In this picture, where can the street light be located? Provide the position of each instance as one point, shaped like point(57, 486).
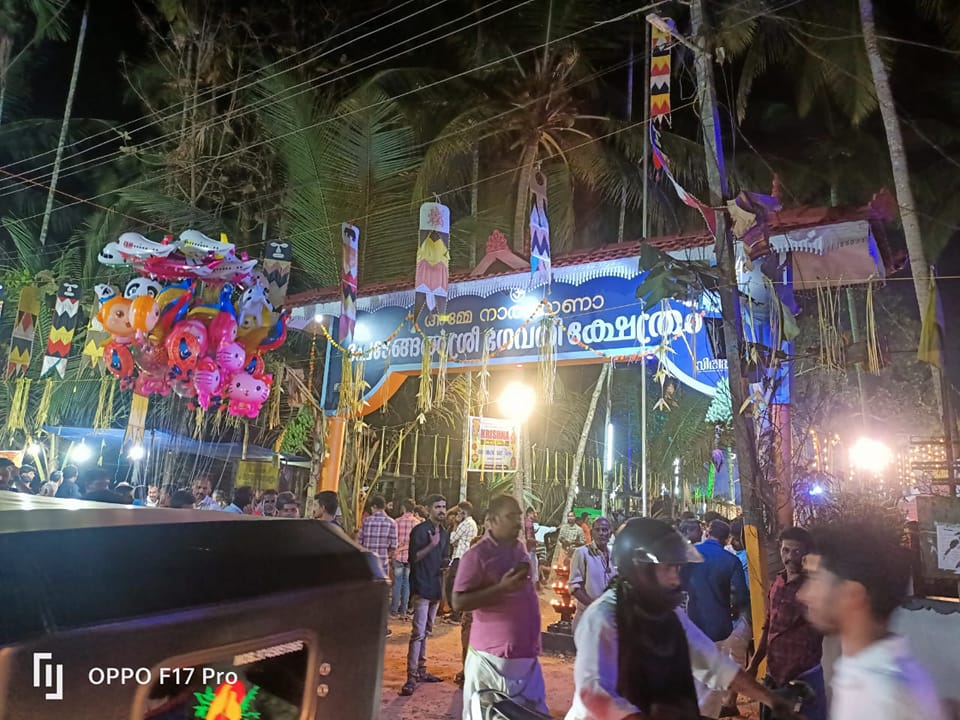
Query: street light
point(34, 449)
point(870, 455)
point(136, 452)
point(81, 453)
point(516, 401)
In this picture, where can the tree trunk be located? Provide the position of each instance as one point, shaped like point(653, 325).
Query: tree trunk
point(919, 266)
point(61, 144)
point(581, 449)
point(521, 218)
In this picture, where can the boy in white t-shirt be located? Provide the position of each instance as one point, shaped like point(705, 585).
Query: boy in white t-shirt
point(856, 578)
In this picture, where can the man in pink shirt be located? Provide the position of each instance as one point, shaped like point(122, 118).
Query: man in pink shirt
point(494, 582)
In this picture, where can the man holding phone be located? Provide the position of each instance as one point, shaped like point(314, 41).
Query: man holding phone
point(428, 553)
point(494, 582)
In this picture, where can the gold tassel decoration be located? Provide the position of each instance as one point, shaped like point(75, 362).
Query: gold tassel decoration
point(831, 344)
point(436, 445)
point(874, 357)
point(246, 440)
point(396, 470)
point(483, 394)
point(43, 409)
point(446, 458)
point(416, 451)
point(440, 392)
point(425, 391)
point(386, 372)
point(346, 386)
point(17, 418)
point(197, 423)
point(547, 357)
point(312, 367)
point(273, 403)
point(101, 416)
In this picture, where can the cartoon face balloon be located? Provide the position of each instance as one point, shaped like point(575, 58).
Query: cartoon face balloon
point(230, 358)
point(119, 361)
point(247, 394)
point(152, 359)
point(186, 344)
point(207, 381)
point(114, 315)
point(144, 313)
point(142, 286)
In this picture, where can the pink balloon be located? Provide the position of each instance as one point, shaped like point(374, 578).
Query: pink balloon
point(207, 381)
point(231, 358)
point(148, 385)
point(247, 393)
point(222, 329)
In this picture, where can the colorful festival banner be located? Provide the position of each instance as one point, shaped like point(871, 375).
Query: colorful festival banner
point(63, 325)
point(277, 258)
point(539, 232)
point(493, 444)
point(433, 259)
point(661, 162)
point(348, 281)
point(24, 330)
point(659, 76)
point(596, 304)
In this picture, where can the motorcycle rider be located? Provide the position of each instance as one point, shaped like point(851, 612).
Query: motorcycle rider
point(636, 654)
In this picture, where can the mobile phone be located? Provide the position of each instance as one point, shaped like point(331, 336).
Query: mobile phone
point(522, 567)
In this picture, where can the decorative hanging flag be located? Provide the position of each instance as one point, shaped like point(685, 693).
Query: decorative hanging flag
point(659, 76)
point(24, 329)
point(539, 231)
point(137, 422)
point(348, 282)
point(97, 336)
point(433, 259)
point(63, 324)
point(277, 256)
point(660, 162)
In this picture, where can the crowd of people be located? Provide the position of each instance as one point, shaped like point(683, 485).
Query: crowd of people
point(662, 627)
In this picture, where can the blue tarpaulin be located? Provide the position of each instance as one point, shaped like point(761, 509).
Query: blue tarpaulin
point(160, 441)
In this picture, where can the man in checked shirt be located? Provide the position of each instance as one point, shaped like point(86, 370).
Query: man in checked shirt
point(378, 533)
point(791, 645)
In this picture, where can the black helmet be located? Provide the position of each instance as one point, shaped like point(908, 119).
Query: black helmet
point(651, 541)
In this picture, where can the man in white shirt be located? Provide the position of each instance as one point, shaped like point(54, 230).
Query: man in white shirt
point(636, 654)
point(856, 578)
point(591, 569)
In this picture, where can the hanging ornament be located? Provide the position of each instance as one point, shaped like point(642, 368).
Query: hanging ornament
point(659, 75)
point(348, 282)
point(874, 355)
point(277, 258)
point(547, 357)
point(433, 259)
point(425, 391)
point(443, 347)
point(24, 329)
point(63, 325)
point(539, 231)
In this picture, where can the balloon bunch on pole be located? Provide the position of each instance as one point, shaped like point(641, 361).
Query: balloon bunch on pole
point(164, 337)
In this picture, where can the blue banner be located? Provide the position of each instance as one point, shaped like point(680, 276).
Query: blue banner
point(595, 303)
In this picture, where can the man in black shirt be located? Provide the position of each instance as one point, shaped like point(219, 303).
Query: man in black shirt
point(429, 552)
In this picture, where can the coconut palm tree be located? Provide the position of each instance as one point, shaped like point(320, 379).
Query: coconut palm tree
point(16, 17)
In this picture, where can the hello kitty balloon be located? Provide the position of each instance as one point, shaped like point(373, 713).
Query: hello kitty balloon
point(247, 393)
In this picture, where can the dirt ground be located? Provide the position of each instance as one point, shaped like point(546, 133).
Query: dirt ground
point(443, 701)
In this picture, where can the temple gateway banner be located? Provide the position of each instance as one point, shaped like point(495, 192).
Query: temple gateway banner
point(493, 445)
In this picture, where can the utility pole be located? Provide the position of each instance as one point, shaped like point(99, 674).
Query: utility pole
point(754, 532)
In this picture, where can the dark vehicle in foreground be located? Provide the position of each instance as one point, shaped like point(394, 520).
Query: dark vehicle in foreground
point(113, 612)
